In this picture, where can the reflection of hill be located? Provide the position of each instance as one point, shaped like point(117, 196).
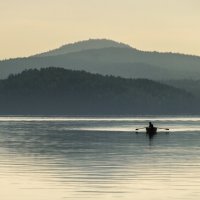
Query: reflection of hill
point(66, 149)
point(98, 152)
point(60, 91)
point(44, 158)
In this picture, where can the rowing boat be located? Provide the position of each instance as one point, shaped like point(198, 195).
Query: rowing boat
point(151, 130)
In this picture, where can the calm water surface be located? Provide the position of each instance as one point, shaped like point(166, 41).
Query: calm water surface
point(54, 158)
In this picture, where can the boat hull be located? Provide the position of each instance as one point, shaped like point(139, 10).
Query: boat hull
point(151, 130)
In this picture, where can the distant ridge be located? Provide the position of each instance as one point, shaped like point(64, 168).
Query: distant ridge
point(82, 46)
point(108, 57)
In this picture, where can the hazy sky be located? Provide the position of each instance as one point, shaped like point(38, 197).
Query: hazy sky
point(32, 26)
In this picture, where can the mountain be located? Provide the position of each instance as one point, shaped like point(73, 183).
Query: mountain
point(84, 45)
point(59, 91)
point(192, 86)
point(110, 58)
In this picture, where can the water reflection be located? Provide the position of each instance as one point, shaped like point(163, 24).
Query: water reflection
point(151, 136)
point(52, 160)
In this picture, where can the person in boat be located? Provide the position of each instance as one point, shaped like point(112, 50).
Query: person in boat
point(151, 126)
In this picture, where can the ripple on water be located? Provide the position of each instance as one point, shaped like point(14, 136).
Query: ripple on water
point(58, 158)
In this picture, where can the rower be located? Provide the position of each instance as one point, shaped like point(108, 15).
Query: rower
point(151, 125)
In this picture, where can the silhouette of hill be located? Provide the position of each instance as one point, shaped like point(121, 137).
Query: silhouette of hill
point(84, 45)
point(192, 86)
point(59, 91)
point(96, 56)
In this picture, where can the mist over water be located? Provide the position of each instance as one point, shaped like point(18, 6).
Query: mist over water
point(58, 158)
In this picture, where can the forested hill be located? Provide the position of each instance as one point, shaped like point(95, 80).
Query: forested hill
point(59, 91)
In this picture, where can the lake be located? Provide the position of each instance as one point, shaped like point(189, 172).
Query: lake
point(56, 158)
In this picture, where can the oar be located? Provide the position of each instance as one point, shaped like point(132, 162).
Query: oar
point(139, 128)
point(164, 129)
